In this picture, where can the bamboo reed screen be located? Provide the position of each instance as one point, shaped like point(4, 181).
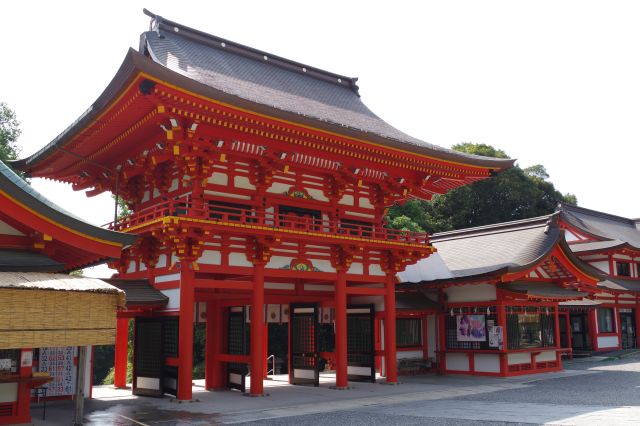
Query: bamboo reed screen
point(33, 318)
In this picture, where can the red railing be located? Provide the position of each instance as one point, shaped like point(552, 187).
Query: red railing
point(278, 222)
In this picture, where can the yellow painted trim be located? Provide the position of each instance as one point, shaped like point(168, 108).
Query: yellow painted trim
point(59, 225)
point(166, 219)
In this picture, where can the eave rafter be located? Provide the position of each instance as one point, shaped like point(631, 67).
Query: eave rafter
point(165, 123)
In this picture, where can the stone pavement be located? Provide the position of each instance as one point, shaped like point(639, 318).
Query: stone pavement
point(431, 399)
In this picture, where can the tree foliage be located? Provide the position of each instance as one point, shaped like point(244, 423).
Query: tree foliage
point(513, 194)
point(9, 133)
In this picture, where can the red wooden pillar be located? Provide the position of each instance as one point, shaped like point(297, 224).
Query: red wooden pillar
point(442, 342)
point(617, 320)
point(257, 329)
point(593, 328)
point(185, 334)
point(265, 348)
point(23, 401)
point(341, 328)
point(390, 329)
point(557, 324)
point(504, 359)
point(122, 347)
point(213, 366)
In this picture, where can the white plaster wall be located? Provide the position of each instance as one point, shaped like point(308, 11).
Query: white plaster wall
point(432, 335)
point(323, 265)
point(408, 354)
point(346, 200)
point(238, 259)
point(317, 194)
point(358, 214)
point(457, 361)
point(365, 203)
point(167, 278)
point(8, 392)
point(471, 293)
point(131, 267)
point(210, 257)
point(242, 182)
point(375, 269)
point(601, 265)
point(519, 358)
point(546, 356)
point(6, 229)
point(487, 363)
point(174, 297)
point(143, 266)
point(607, 342)
point(279, 262)
point(228, 195)
point(162, 261)
point(219, 178)
point(174, 185)
point(145, 197)
point(356, 268)
point(278, 188)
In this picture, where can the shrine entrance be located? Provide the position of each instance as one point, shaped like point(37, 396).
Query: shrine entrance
point(147, 357)
point(304, 345)
point(237, 344)
point(360, 343)
point(627, 329)
point(580, 332)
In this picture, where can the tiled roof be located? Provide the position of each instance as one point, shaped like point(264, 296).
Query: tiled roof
point(603, 225)
point(283, 84)
point(139, 292)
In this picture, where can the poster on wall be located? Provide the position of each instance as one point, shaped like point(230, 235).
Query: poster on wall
point(495, 336)
point(471, 328)
point(58, 362)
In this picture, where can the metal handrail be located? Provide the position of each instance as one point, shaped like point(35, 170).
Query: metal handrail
point(271, 372)
point(185, 207)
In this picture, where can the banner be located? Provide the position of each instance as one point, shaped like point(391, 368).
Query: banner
point(471, 328)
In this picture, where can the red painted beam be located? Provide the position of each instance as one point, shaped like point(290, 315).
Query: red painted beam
point(200, 283)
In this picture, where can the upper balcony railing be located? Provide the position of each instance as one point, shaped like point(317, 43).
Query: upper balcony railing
point(252, 219)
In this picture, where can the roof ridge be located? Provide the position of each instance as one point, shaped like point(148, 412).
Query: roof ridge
point(495, 228)
point(159, 23)
point(596, 213)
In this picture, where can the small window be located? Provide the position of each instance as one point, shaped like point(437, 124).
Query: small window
point(605, 320)
point(623, 269)
point(408, 332)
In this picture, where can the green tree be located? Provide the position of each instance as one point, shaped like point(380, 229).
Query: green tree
point(9, 133)
point(513, 194)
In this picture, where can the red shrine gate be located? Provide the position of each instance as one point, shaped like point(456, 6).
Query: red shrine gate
point(254, 181)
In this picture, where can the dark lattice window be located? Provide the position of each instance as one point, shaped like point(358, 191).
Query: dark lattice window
point(408, 332)
point(623, 269)
point(10, 360)
point(451, 328)
point(530, 330)
point(605, 320)
point(171, 337)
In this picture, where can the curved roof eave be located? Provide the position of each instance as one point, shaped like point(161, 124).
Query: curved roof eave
point(136, 63)
point(19, 190)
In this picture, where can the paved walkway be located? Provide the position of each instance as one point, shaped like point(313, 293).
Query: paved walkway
point(431, 399)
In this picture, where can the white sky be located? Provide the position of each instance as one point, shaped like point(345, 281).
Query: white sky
point(550, 82)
